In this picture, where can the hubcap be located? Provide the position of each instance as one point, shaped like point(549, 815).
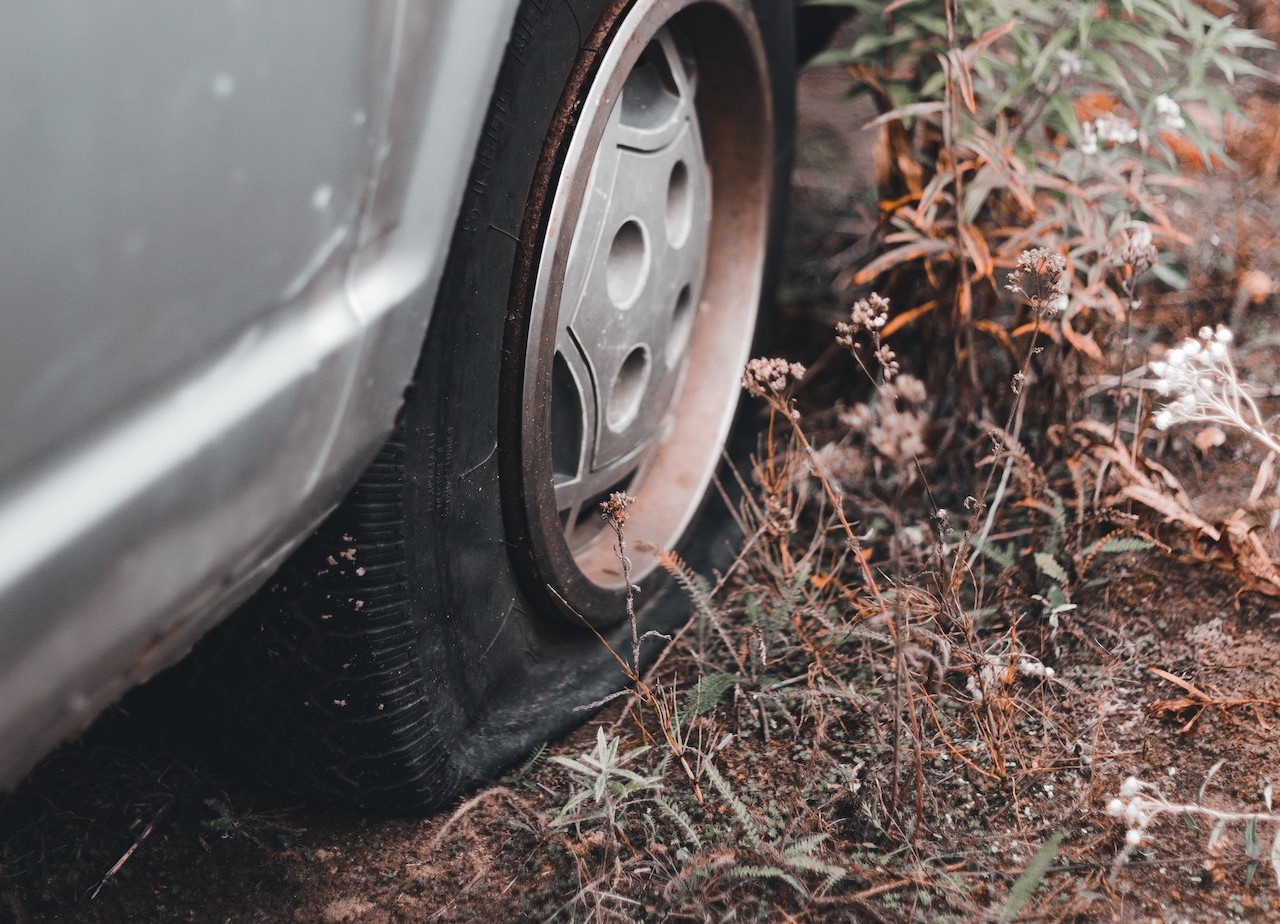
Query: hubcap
point(633, 279)
point(646, 280)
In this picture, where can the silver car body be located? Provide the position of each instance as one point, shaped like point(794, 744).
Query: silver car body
point(223, 226)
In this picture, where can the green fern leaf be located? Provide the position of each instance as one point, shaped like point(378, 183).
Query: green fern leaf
point(1052, 570)
point(706, 693)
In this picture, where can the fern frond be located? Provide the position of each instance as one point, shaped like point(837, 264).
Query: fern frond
point(739, 808)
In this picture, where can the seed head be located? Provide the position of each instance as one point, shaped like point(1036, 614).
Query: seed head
point(1040, 277)
point(615, 508)
point(868, 314)
point(888, 360)
point(910, 389)
point(767, 377)
point(1138, 250)
point(899, 435)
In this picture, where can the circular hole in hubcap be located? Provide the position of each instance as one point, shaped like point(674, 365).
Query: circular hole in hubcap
point(628, 389)
point(681, 325)
point(679, 205)
point(628, 264)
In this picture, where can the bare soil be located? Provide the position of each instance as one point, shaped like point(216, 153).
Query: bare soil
point(139, 821)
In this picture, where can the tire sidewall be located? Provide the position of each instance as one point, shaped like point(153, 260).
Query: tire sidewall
point(497, 656)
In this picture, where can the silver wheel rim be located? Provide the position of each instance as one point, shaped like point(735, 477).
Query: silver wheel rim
point(644, 304)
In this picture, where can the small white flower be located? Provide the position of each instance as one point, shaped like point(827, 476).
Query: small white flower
point(1115, 808)
point(1177, 357)
point(1168, 115)
point(1115, 130)
point(1191, 347)
point(1218, 350)
point(1133, 837)
point(1164, 420)
point(1069, 62)
point(1223, 334)
point(1088, 140)
point(1206, 333)
point(1130, 787)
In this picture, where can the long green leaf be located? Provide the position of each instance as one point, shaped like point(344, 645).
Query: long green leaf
point(1031, 877)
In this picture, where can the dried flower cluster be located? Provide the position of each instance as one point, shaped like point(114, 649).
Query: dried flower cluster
point(1138, 250)
point(868, 316)
point(895, 423)
point(615, 508)
point(1041, 278)
point(770, 377)
point(840, 463)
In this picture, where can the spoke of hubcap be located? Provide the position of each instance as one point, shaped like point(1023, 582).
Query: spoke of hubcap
point(632, 281)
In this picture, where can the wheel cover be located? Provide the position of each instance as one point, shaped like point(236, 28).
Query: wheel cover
point(647, 283)
point(632, 279)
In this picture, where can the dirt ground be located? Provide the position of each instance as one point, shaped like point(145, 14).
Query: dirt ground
point(1172, 672)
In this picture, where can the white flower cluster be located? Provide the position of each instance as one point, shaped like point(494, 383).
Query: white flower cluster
point(1139, 804)
point(994, 673)
point(1069, 62)
point(1201, 380)
point(1168, 115)
point(867, 314)
point(1111, 129)
point(870, 313)
point(1107, 129)
point(1088, 140)
point(1134, 809)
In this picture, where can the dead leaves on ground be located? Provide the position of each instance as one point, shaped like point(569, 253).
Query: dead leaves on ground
point(1120, 477)
point(1196, 701)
